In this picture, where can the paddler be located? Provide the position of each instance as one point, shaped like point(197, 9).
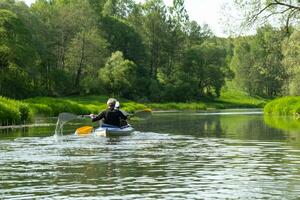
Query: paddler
point(110, 116)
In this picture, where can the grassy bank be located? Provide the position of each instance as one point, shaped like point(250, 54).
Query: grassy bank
point(228, 99)
point(17, 112)
point(286, 106)
point(79, 105)
point(14, 112)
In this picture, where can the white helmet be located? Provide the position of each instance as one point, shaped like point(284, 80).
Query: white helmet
point(117, 105)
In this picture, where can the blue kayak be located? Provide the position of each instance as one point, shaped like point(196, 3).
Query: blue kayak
point(109, 130)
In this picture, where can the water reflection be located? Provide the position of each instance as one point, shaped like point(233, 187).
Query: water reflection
point(171, 156)
point(237, 125)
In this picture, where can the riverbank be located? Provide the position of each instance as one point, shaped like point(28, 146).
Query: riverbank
point(14, 112)
point(285, 106)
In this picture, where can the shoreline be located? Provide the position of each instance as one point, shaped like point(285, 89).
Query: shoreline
point(20, 112)
point(208, 112)
point(25, 126)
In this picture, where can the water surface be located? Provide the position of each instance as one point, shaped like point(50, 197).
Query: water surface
point(216, 155)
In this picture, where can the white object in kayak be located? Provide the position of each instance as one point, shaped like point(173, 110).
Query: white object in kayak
point(108, 130)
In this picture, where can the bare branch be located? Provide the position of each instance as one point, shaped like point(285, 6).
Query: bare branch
point(279, 12)
point(286, 5)
point(255, 16)
point(287, 23)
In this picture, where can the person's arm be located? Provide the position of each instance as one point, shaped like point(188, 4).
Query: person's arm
point(122, 115)
point(98, 117)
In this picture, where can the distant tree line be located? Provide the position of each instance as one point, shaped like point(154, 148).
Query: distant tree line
point(143, 51)
point(268, 63)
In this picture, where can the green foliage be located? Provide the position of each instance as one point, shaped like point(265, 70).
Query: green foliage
point(291, 61)
point(257, 62)
point(119, 76)
point(123, 37)
point(62, 48)
point(202, 73)
point(78, 105)
point(85, 53)
point(178, 106)
point(14, 112)
point(17, 112)
point(18, 57)
point(286, 106)
point(240, 99)
point(58, 105)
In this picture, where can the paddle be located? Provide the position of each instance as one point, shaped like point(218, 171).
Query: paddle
point(85, 130)
point(141, 114)
point(65, 117)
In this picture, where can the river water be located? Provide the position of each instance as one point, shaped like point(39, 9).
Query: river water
point(230, 154)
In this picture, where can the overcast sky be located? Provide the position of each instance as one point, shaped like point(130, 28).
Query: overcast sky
point(211, 12)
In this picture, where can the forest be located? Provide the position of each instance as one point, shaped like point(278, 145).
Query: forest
point(140, 51)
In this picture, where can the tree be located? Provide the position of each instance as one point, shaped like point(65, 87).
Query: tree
point(291, 61)
point(257, 63)
point(122, 37)
point(19, 57)
point(241, 64)
point(74, 46)
point(118, 8)
point(154, 34)
point(85, 55)
point(119, 76)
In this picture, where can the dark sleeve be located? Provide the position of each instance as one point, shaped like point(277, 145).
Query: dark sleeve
point(99, 117)
point(122, 115)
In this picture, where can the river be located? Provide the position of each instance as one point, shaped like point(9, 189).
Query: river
point(229, 154)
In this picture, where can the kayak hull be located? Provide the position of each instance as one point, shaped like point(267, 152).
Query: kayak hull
point(113, 131)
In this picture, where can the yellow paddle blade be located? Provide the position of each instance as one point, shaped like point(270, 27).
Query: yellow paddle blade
point(147, 110)
point(84, 130)
point(143, 114)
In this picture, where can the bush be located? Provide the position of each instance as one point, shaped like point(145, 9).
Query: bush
point(283, 106)
point(53, 106)
point(9, 114)
point(14, 112)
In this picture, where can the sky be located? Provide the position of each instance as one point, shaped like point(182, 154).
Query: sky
point(211, 12)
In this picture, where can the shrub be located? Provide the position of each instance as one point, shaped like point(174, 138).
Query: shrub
point(283, 106)
point(14, 112)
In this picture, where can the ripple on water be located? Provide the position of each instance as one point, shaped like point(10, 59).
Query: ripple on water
point(147, 165)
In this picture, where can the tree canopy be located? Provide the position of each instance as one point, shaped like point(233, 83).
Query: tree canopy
point(146, 51)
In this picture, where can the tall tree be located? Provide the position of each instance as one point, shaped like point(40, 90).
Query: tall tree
point(291, 61)
point(86, 53)
point(258, 63)
point(19, 57)
point(154, 34)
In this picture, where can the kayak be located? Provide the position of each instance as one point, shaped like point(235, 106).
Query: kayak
point(108, 130)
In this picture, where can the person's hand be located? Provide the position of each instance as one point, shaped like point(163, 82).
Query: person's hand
point(92, 116)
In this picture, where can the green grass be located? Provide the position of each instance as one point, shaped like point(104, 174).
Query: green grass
point(241, 99)
point(178, 106)
point(286, 106)
point(17, 112)
point(14, 112)
point(228, 99)
point(78, 105)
